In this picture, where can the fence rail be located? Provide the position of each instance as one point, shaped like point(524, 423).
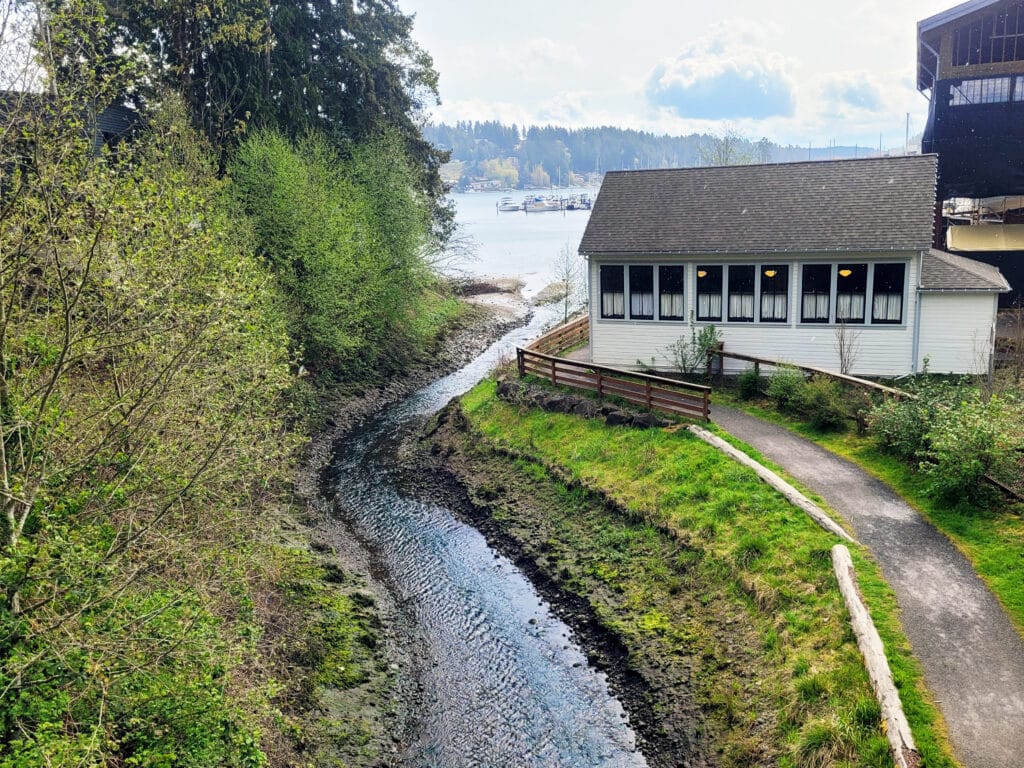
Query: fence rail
point(759, 361)
point(654, 392)
point(564, 337)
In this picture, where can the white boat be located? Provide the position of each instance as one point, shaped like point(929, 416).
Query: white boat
point(580, 202)
point(539, 204)
point(508, 204)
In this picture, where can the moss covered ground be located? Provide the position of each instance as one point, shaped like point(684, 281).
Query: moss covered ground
point(705, 574)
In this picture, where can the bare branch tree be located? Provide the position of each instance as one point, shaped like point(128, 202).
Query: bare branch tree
point(847, 346)
point(569, 269)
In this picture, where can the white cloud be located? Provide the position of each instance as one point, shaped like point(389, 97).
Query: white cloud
point(543, 59)
point(730, 73)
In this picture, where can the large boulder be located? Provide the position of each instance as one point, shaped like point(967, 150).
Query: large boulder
point(616, 418)
point(586, 408)
point(509, 389)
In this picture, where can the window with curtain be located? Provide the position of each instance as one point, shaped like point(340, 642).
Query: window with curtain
point(671, 303)
point(851, 292)
point(709, 293)
point(887, 294)
point(641, 293)
point(613, 291)
point(774, 293)
point(741, 293)
point(815, 293)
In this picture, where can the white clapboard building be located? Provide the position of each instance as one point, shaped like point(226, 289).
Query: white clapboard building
point(781, 259)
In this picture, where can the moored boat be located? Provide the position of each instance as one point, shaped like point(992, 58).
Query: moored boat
point(540, 203)
point(508, 204)
point(580, 202)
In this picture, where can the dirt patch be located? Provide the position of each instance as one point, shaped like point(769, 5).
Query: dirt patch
point(519, 517)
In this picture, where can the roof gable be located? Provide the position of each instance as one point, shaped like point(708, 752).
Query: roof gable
point(943, 271)
point(875, 204)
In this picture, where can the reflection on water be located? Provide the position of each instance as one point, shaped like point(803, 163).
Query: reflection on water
point(504, 685)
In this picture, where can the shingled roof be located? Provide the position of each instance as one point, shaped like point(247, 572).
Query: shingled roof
point(872, 204)
point(942, 271)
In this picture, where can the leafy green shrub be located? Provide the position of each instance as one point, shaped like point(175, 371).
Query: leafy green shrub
point(954, 433)
point(967, 441)
point(344, 235)
point(145, 365)
point(823, 402)
point(902, 426)
point(786, 387)
point(690, 355)
point(749, 383)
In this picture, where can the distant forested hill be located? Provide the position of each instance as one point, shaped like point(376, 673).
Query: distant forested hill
point(514, 156)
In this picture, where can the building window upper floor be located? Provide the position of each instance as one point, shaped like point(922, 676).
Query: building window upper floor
point(987, 90)
point(991, 38)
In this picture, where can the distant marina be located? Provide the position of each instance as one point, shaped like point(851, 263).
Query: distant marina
point(546, 203)
point(522, 246)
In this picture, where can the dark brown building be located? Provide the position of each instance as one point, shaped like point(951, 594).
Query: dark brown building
point(970, 63)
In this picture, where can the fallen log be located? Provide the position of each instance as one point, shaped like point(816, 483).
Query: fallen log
point(897, 729)
point(794, 496)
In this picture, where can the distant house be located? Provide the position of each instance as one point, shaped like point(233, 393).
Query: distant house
point(779, 258)
point(106, 126)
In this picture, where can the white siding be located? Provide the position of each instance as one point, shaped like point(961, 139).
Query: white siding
point(884, 350)
point(956, 331)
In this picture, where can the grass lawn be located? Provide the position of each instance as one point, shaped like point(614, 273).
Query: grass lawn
point(749, 599)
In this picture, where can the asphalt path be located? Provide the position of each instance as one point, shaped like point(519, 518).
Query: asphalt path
point(972, 657)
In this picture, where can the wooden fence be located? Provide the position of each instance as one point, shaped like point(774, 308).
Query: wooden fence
point(562, 338)
point(721, 354)
point(654, 392)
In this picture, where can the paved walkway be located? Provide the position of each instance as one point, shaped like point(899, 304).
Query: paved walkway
point(973, 659)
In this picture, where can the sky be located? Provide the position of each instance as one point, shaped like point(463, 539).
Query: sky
point(794, 72)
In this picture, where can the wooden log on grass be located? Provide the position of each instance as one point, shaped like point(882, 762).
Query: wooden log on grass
point(897, 729)
point(792, 495)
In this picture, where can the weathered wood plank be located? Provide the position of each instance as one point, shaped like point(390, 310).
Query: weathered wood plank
point(794, 496)
point(897, 729)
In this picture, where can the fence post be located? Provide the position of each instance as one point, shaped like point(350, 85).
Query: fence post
point(553, 374)
point(707, 408)
point(600, 381)
point(520, 362)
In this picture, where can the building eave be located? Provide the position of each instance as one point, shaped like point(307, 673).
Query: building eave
point(952, 14)
point(760, 252)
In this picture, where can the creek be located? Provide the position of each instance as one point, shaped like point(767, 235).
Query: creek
point(503, 682)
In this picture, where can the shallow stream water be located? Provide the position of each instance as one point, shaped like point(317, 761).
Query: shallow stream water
point(504, 683)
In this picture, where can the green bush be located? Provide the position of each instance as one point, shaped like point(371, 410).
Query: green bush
point(967, 441)
point(786, 387)
point(145, 370)
point(345, 236)
point(749, 383)
point(690, 355)
point(902, 425)
point(824, 403)
point(953, 433)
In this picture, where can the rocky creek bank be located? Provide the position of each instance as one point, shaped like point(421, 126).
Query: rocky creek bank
point(519, 515)
point(356, 707)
